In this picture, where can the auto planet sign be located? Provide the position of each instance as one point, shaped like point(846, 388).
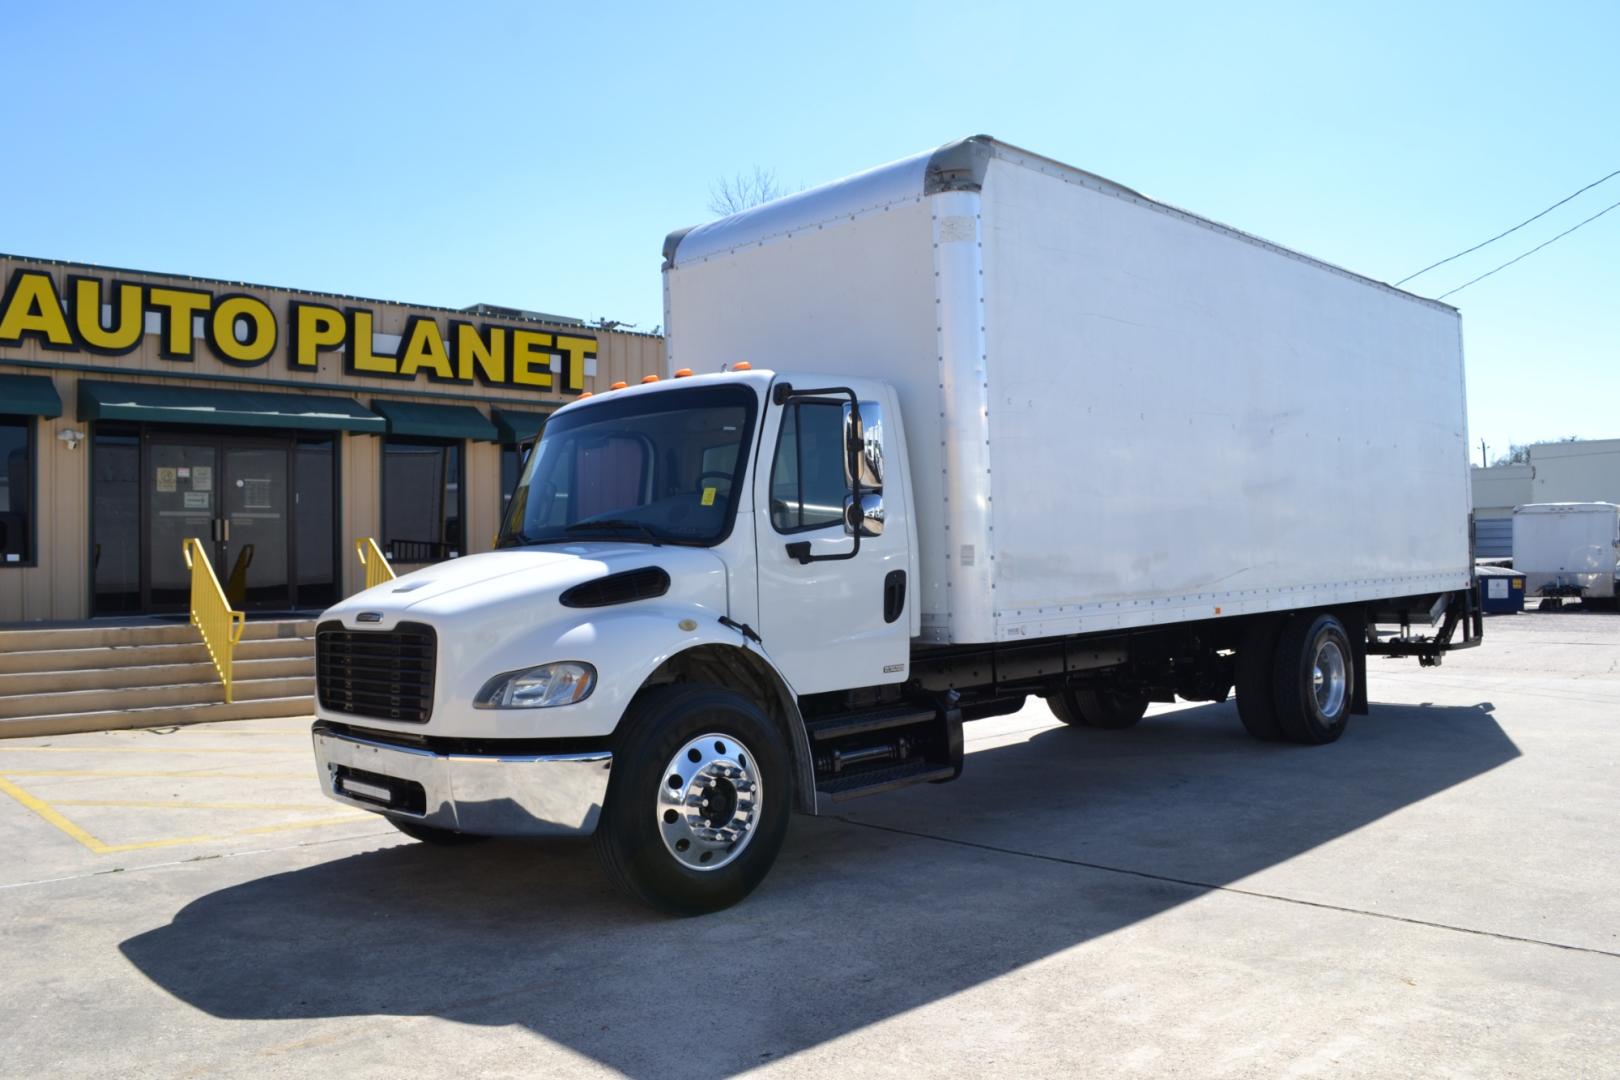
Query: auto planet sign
point(111, 318)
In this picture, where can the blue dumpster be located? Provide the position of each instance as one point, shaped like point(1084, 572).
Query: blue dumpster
point(1501, 590)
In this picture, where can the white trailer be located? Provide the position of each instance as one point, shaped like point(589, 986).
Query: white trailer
point(967, 428)
point(1568, 549)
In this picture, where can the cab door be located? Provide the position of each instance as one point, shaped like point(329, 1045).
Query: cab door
point(834, 572)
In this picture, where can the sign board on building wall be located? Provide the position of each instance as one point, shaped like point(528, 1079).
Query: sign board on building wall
point(110, 317)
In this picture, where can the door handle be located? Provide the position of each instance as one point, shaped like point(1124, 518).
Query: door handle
point(226, 523)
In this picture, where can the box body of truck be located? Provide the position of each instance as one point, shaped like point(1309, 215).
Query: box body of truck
point(1119, 414)
point(1567, 549)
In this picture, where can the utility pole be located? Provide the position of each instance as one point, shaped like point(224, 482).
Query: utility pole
point(1484, 462)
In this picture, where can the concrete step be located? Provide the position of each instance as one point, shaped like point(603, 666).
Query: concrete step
point(69, 723)
point(125, 656)
point(110, 678)
point(149, 697)
point(120, 635)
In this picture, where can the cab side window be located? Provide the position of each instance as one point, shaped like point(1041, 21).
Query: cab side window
point(807, 478)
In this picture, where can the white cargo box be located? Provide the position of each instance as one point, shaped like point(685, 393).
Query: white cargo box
point(1117, 413)
point(1567, 544)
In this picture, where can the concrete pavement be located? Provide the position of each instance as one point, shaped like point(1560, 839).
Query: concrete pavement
point(1434, 895)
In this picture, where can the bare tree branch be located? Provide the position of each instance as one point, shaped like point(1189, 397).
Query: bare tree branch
point(734, 194)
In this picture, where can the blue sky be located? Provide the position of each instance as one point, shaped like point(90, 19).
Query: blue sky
point(535, 155)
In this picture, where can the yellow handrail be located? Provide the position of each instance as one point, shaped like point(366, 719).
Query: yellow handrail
point(372, 558)
point(211, 613)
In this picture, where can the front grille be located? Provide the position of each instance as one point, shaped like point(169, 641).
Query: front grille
point(387, 674)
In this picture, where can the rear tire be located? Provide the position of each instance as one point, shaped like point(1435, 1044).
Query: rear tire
point(656, 838)
point(432, 834)
point(1255, 656)
point(1111, 710)
point(1313, 679)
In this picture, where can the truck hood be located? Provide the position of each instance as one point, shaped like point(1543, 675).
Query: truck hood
point(525, 583)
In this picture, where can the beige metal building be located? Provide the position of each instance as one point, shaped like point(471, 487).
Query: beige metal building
point(277, 426)
point(1587, 470)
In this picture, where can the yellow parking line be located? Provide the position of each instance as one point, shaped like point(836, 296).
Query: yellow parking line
point(153, 750)
point(43, 809)
point(177, 804)
point(99, 847)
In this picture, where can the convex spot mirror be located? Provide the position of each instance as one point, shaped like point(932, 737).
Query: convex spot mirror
point(868, 517)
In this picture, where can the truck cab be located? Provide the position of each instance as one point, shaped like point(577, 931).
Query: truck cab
point(682, 564)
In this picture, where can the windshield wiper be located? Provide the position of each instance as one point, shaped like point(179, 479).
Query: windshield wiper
point(615, 523)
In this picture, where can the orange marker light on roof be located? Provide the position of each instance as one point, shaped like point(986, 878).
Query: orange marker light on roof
point(581, 397)
point(742, 365)
point(684, 373)
point(645, 379)
point(618, 386)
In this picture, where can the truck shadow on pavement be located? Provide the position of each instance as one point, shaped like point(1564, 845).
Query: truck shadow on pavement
point(1045, 843)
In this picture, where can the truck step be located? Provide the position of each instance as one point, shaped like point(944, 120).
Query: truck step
point(877, 781)
point(847, 724)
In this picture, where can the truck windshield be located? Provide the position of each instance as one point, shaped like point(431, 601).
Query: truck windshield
point(664, 467)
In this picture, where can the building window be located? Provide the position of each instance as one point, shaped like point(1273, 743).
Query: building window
point(807, 480)
point(421, 500)
point(16, 491)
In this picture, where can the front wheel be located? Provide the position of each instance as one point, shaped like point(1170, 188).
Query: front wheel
point(697, 804)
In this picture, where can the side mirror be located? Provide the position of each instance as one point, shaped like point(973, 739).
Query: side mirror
point(864, 436)
point(868, 517)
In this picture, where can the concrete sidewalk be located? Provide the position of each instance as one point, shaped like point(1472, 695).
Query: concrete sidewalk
point(1434, 895)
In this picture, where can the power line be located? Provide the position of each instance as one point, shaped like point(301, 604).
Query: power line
point(1515, 228)
point(1532, 251)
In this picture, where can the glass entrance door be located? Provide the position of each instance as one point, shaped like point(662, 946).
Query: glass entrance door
point(255, 512)
point(233, 495)
point(182, 501)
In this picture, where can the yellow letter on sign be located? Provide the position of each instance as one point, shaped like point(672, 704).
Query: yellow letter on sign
point(575, 350)
point(229, 311)
point(531, 358)
point(424, 348)
point(179, 308)
point(315, 327)
point(128, 324)
point(32, 307)
point(362, 359)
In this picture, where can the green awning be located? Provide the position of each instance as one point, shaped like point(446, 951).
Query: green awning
point(157, 403)
point(435, 421)
point(515, 427)
point(29, 395)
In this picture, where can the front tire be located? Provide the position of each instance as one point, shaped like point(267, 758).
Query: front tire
point(698, 801)
point(1313, 679)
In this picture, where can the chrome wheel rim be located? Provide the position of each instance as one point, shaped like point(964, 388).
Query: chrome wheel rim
point(709, 802)
point(1328, 680)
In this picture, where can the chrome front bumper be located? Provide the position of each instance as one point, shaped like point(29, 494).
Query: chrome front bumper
point(490, 795)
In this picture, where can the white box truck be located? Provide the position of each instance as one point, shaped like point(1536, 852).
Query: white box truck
point(966, 429)
point(1567, 550)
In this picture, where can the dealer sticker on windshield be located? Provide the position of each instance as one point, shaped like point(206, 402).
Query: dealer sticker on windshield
point(708, 496)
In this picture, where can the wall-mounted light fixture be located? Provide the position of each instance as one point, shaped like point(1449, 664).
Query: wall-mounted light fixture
point(71, 437)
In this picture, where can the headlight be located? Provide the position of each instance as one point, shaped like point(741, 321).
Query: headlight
point(539, 687)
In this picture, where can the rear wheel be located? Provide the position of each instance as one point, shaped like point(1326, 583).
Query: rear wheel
point(432, 834)
point(1253, 680)
point(697, 805)
point(1313, 679)
point(1110, 709)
